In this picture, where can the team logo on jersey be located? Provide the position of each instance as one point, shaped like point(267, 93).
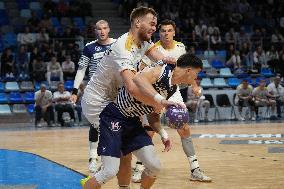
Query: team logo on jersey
point(98, 48)
point(115, 126)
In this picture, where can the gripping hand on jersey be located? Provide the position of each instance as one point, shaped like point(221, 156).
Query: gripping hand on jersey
point(169, 60)
point(73, 98)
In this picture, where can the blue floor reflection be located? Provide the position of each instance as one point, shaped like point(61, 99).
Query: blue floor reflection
point(21, 168)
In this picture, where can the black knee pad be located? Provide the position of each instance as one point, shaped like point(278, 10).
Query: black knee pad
point(93, 134)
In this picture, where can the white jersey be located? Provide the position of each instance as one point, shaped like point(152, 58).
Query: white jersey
point(175, 52)
point(105, 82)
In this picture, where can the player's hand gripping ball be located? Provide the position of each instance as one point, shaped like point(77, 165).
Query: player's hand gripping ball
point(177, 117)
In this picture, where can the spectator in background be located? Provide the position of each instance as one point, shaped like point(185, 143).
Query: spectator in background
point(277, 38)
point(7, 63)
point(68, 38)
point(39, 69)
point(62, 8)
point(276, 90)
point(242, 37)
point(48, 54)
point(42, 37)
point(33, 55)
point(259, 59)
point(256, 38)
point(46, 23)
point(272, 57)
point(22, 63)
point(216, 40)
point(78, 107)
point(244, 98)
point(75, 54)
point(233, 58)
point(263, 98)
point(33, 22)
point(43, 106)
point(68, 68)
point(63, 103)
point(54, 70)
point(194, 103)
point(26, 38)
point(280, 65)
point(245, 56)
point(231, 37)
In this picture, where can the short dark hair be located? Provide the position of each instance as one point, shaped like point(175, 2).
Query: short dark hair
point(141, 11)
point(167, 22)
point(189, 60)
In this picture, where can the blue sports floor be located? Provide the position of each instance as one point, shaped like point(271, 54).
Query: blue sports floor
point(29, 171)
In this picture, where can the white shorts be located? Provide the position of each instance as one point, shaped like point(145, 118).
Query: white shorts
point(92, 106)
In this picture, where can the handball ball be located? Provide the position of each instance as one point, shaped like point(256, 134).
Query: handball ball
point(177, 116)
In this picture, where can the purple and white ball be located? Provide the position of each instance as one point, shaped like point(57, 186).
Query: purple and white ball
point(177, 117)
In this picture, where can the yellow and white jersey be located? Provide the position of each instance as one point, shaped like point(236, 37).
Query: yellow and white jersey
point(175, 52)
point(105, 82)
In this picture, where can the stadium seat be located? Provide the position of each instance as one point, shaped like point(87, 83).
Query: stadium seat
point(55, 22)
point(23, 4)
point(29, 97)
point(78, 21)
point(12, 86)
point(26, 86)
point(53, 85)
point(35, 5)
point(206, 64)
point(222, 54)
point(212, 72)
point(5, 109)
point(226, 72)
point(217, 64)
point(219, 82)
point(2, 5)
point(69, 85)
point(4, 19)
point(266, 72)
point(2, 87)
point(31, 108)
point(66, 21)
point(3, 98)
point(208, 54)
point(9, 39)
point(19, 108)
point(206, 83)
point(25, 13)
point(234, 82)
point(201, 74)
point(15, 98)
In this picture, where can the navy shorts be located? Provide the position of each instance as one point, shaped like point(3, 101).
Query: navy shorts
point(120, 135)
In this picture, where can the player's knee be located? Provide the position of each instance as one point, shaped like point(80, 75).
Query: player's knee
point(153, 167)
point(106, 174)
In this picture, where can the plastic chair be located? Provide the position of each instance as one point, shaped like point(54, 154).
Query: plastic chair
point(78, 21)
point(219, 82)
point(26, 86)
point(2, 87)
point(201, 74)
point(25, 13)
point(35, 6)
point(206, 83)
point(31, 108)
point(19, 108)
point(9, 39)
point(69, 85)
point(55, 22)
point(29, 97)
point(222, 54)
point(66, 21)
point(266, 72)
point(234, 82)
point(15, 98)
point(226, 72)
point(12, 86)
point(3, 98)
point(5, 109)
point(23, 4)
point(217, 64)
point(206, 64)
point(37, 85)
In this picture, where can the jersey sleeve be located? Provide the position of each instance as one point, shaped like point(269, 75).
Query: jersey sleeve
point(85, 58)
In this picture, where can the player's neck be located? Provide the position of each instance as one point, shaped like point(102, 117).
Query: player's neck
point(168, 44)
point(177, 77)
point(134, 35)
point(104, 42)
